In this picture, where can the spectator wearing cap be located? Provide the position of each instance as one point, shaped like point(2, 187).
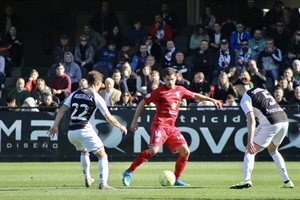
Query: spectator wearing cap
point(237, 36)
point(224, 60)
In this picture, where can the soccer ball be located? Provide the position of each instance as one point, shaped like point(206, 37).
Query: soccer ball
point(166, 178)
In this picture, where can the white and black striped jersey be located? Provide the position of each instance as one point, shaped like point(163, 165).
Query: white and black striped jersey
point(264, 106)
point(83, 104)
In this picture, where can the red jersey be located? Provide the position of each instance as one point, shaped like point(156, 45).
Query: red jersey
point(167, 103)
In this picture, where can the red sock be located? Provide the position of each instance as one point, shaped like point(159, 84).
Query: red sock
point(180, 166)
point(140, 159)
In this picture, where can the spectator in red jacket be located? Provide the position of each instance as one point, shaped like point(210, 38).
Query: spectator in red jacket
point(32, 81)
point(161, 30)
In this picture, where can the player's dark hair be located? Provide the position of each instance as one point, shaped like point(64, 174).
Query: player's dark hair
point(94, 77)
point(168, 72)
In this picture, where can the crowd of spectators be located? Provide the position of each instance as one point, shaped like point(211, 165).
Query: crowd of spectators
point(264, 48)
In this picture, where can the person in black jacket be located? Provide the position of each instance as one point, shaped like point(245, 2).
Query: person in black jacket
point(203, 60)
point(104, 20)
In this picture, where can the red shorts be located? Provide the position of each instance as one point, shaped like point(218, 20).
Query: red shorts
point(169, 136)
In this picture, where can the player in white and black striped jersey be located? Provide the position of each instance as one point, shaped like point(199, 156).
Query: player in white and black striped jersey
point(270, 132)
point(83, 104)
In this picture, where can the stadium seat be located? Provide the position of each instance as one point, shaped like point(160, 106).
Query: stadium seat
point(181, 40)
point(183, 49)
point(186, 31)
point(146, 29)
point(126, 31)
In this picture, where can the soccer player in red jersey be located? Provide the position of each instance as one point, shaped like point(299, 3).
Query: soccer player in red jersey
point(163, 131)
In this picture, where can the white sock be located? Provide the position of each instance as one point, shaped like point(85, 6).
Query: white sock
point(85, 164)
point(103, 170)
point(279, 161)
point(248, 165)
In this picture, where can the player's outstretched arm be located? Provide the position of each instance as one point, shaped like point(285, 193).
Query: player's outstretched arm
point(201, 97)
point(139, 109)
point(113, 121)
point(53, 130)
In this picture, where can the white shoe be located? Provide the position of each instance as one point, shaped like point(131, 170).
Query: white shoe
point(89, 182)
point(106, 187)
point(289, 184)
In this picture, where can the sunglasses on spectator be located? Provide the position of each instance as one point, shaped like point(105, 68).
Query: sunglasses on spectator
point(149, 38)
point(298, 34)
point(83, 40)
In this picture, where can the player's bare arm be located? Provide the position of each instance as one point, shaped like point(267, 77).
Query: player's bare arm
point(201, 97)
point(139, 109)
point(113, 121)
point(53, 130)
point(251, 128)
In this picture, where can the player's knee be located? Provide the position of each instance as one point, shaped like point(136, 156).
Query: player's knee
point(84, 152)
point(153, 150)
point(185, 152)
point(100, 153)
point(272, 148)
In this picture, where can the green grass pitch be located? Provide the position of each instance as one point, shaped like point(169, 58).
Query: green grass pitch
point(209, 180)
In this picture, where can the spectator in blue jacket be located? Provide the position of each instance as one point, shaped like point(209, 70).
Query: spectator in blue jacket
point(107, 58)
point(237, 36)
point(73, 70)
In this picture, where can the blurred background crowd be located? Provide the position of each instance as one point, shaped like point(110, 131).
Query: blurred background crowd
point(208, 53)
